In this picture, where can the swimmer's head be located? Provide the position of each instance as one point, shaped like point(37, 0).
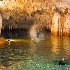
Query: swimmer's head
point(8, 40)
point(62, 59)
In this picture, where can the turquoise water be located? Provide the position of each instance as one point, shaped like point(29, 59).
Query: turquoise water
point(24, 54)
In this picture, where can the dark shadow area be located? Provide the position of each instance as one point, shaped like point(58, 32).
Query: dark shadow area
point(14, 33)
point(47, 30)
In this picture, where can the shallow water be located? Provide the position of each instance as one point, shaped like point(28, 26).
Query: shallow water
point(24, 54)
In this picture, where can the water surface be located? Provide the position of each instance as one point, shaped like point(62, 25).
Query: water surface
point(44, 54)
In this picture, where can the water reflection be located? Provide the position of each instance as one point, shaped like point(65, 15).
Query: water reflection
point(33, 47)
point(66, 44)
point(54, 42)
point(60, 45)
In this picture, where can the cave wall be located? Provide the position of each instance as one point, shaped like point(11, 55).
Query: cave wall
point(42, 13)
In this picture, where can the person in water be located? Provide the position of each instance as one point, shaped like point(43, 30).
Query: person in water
point(62, 62)
point(38, 34)
point(9, 42)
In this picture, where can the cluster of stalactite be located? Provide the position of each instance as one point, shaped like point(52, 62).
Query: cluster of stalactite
point(57, 22)
point(60, 24)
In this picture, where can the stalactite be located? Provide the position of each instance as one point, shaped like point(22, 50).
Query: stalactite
point(66, 28)
point(0, 23)
point(60, 24)
point(54, 25)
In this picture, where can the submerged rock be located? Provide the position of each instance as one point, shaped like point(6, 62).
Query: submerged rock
point(2, 41)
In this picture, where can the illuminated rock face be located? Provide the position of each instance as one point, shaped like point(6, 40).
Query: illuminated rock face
point(66, 28)
point(0, 23)
point(3, 2)
point(2, 40)
point(60, 24)
point(55, 24)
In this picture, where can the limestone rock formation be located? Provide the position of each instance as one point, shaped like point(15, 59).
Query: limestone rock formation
point(42, 13)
